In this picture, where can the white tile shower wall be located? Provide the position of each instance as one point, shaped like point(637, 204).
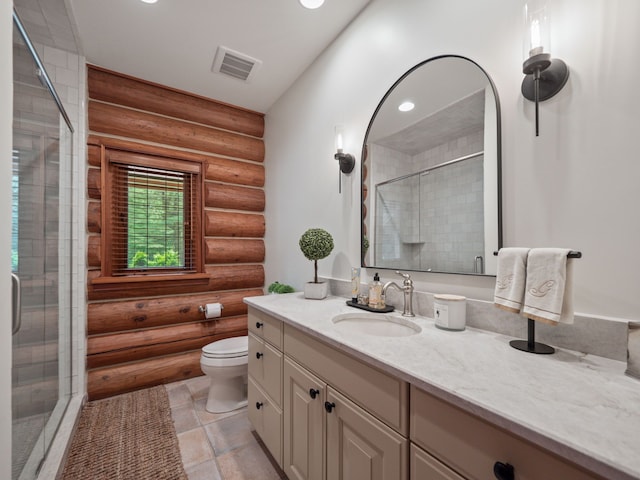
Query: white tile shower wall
point(67, 73)
point(451, 217)
point(386, 242)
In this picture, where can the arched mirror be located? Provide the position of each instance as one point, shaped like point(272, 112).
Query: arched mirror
point(431, 172)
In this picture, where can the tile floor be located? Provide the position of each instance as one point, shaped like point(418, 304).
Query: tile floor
point(216, 446)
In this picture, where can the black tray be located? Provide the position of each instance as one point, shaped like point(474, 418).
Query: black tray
point(387, 309)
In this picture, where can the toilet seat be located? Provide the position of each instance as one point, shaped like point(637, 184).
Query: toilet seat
point(233, 347)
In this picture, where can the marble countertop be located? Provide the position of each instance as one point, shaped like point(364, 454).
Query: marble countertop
point(582, 407)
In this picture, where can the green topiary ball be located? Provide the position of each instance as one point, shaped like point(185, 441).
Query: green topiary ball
point(316, 243)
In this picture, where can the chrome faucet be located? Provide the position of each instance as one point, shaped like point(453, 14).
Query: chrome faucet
point(407, 289)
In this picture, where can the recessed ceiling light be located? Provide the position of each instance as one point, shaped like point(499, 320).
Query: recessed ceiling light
point(149, 1)
point(311, 4)
point(406, 106)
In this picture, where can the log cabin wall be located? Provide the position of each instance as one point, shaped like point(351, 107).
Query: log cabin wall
point(153, 335)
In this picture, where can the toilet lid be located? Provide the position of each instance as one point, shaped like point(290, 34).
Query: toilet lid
point(228, 347)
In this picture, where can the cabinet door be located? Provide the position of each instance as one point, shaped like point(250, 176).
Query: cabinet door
point(304, 432)
point(360, 447)
point(266, 418)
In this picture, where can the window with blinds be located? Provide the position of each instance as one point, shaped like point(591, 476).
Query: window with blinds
point(154, 215)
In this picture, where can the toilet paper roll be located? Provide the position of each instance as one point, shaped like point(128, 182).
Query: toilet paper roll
point(212, 310)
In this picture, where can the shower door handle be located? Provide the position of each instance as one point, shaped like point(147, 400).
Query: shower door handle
point(16, 314)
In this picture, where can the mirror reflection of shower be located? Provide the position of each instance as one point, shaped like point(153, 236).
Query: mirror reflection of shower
point(433, 219)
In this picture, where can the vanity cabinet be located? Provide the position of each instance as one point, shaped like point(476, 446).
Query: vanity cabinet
point(471, 447)
point(326, 434)
point(264, 388)
point(326, 415)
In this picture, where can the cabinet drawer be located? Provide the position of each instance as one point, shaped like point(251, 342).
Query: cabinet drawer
point(471, 446)
point(266, 418)
point(424, 466)
point(265, 366)
point(382, 395)
point(265, 327)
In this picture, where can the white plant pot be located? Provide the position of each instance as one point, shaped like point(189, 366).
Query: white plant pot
point(316, 291)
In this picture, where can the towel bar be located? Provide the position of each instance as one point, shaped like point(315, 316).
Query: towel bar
point(530, 345)
point(571, 254)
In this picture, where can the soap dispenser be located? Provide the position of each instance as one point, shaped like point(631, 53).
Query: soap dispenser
point(375, 293)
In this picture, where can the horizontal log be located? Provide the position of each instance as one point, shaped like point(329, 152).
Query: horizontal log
point(94, 157)
point(108, 381)
point(111, 317)
point(232, 171)
point(93, 251)
point(225, 250)
point(125, 347)
point(229, 277)
point(112, 87)
point(93, 183)
point(121, 121)
point(94, 217)
point(220, 195)
point(232, 224)
point(217, 168)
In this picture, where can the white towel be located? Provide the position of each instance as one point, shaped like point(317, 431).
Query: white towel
point(549, 293)
point(510, 278)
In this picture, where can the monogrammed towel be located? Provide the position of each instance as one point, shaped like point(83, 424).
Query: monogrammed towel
point(548, 294)
point(510, 279)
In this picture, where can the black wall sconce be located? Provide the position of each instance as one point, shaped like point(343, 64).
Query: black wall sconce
point(544, 76)
point(346, 161)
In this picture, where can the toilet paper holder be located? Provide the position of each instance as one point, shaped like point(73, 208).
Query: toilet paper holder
point(202, 309)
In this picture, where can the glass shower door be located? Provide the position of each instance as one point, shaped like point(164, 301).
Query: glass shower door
point(40, 257)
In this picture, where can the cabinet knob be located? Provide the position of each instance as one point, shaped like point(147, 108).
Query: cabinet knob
point(259, 324)
point(258, 355)
point(503, 471)
point(259, 405)
point(329, 406)
point(313, 393)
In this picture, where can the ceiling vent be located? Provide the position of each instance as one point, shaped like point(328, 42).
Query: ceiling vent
point(235, 64)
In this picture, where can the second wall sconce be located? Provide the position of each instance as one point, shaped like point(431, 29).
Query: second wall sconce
point(545, 76)
point(346, 161)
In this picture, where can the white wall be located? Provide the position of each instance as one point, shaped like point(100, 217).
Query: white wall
point(577, 185)
point(6, 118)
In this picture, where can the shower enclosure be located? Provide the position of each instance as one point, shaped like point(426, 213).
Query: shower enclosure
point(40, 259)
point(433, 220)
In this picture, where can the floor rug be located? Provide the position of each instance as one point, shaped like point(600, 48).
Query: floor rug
point(130, 436)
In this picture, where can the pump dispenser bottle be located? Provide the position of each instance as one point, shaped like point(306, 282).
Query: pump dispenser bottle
point(375, 293)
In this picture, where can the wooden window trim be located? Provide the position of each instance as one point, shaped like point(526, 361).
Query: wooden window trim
point(126, 282)
point(162, 278)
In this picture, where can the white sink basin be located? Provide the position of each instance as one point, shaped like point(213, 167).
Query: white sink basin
point(376, 324)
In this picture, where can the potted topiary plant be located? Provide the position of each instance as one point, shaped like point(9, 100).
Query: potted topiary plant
point(316, 244)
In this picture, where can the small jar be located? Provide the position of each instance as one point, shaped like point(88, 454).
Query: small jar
point(450, 311)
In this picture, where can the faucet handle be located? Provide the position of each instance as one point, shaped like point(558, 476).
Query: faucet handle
point(406, 276)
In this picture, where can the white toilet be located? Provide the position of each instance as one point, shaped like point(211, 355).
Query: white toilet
point(225, 363)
